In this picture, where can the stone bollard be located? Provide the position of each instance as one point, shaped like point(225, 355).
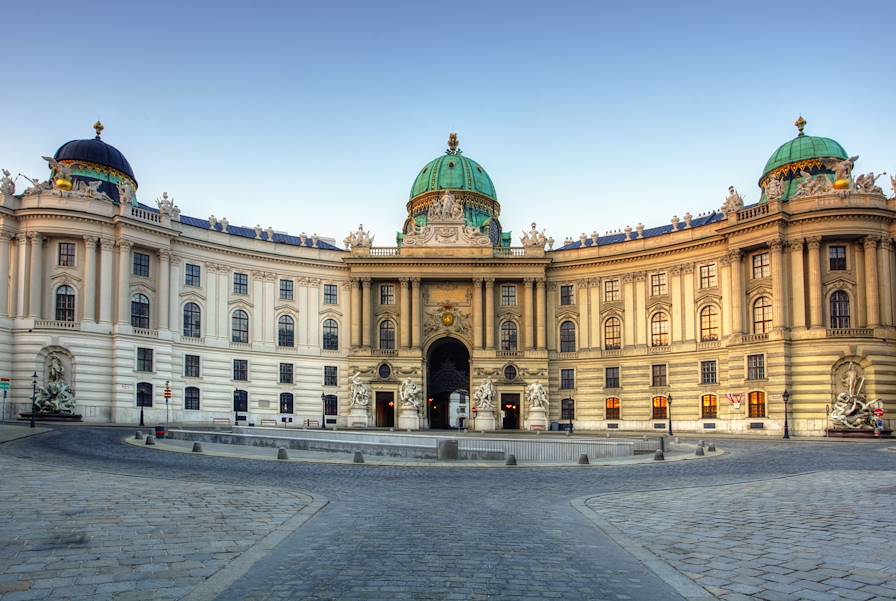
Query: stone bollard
point(659, 455)
point(511, 460)
point(711, 448)
point(699, 452)
point(138, 435)
point(358, 458)
point(150, 439)
point(583, 459)
point(446, 450)
point(197, 447)
point(281, 453)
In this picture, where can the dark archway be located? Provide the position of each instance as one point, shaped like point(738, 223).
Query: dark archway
point(447, 382)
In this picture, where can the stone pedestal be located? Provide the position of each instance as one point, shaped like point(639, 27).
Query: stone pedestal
point(408, 419)
point(358, 417)
point(537, 419)
point(484, 421)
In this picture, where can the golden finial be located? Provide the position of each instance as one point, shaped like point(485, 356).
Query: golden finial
point(452, 143)
point(99, 128)
point(800, 124)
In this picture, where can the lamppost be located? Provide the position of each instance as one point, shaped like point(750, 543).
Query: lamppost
point(669, 406)
point(33, 397)
point(236, 408)
point(786, 397)
point(142, 401)
point(323, 411)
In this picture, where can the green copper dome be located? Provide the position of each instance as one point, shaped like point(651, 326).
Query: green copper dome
point(802, 151)
point(453, 171)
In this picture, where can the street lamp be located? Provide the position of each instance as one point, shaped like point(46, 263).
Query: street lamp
point(669, 409)
point(323, 411)
point(236, 408)
point(786, 397)
point(33, 397)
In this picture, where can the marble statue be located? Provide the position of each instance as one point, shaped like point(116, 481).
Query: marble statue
point(535, 239)
point(7, 186)
point(536, 395)
point(866, 183)
point(812, 185)
point(257, 232)
point(212, 222)
point(842, 168)
point(733, 202)
point(89, 188)
point(125, 193)
point(446, 208)
point(774, 189)
point(55, 396)
point(358, 239)
point(850, 409)
point(360, 391)
point(409, 395)
point(167, 207)
point(484, 395)
point(58, 170)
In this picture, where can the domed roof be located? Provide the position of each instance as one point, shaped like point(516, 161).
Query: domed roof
point(801, 153)
point(453, 171)
point(95, 151)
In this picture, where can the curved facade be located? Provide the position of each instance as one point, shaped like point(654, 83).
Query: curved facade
point(709, 319)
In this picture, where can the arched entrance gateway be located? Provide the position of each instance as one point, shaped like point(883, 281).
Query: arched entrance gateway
point(447, 383)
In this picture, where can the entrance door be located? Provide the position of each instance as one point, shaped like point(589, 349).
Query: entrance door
point(448, 382)
point(385, 409)
point(510, 407)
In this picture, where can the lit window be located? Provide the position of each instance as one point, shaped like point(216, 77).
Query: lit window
point(659, 330)
point(709, 406)
point(612, 408)
point(757, 404)
point(660, 406)
point(709, 324)
point(762, 315)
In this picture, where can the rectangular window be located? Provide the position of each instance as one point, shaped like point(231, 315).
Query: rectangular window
point(141, 265)
point(191, 366)
point(286, 371)
point(387, 294)
point(567, 379)
point(708, 372)
point(756, 404)
point(508, 295)
point(761, 267)
point(611, 290)
point(286, 289)
point(240, 283)
point(330, 375)
point(240, 369)
point(708, 276)
point(331, 404)
point(837, 258)
point(611, 377)
point(66, 254)
point(709, 406)
point(191, 398)
point(658, 375)
point(566, 294)
point(567, 409)
point(192, 275)
point(612, 408)
point(658, 284)
point(755, 367)
point(660, 407)
point(144, 359)
point(330, 295)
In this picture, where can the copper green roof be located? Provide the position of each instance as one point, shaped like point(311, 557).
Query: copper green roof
point(453, 171)
point(803, 148)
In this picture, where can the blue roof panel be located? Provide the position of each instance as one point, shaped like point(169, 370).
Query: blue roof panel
point(652, 232)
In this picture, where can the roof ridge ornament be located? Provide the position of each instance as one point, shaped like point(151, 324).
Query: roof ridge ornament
point(453, 144)
point(800, 124)
point(99, 128)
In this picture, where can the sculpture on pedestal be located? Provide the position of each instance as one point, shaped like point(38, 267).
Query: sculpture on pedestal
point(866, 183)
point(55, 397)
point(850, 409)
point(358, 239)
point(484, 395)
point(536, 395)
point(409, 395)
point(360, 391)
point(733, 202)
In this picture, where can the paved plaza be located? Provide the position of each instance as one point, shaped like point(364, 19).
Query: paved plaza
point(86, 516)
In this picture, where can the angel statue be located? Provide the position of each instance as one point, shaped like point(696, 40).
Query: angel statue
point(60, 173)
point(536, 395)
point(360, 391)
point(866, 183)
point(733, 202)
point(842, 168)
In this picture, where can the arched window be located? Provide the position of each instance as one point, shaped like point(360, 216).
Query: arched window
point(144, 394)
point(331, 335)
point(240, 401)
point(612, 408)
point(757, 403)
point(65, 303)
point(567, 337)
point(710, 406)
point(140, 311)
point(192, 321)
point(387, 335)
point(191, 398)
point(709, 323)
point(613, 333)
point(762, 315)
point(239, 326)
point(659, 329)
point(567, 409)
point(286, 402)
point(659, 407)
point(286, 331)
point(839, 309)
point(508, 336)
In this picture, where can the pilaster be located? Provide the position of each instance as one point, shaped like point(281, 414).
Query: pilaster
point(88, 292)
point(815, 290)
point(36, 279)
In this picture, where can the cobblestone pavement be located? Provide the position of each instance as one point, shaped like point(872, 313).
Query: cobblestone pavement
point(417, 533)
point(821, 536)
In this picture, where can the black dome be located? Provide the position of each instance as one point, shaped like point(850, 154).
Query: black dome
point(95, 151)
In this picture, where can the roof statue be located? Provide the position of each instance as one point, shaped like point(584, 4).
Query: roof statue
point(535, 239)
point(774, 188)
point(812, 185)
point(866, 183)
point(842, 169)
point(7, 185)
point(453, 144)
point(358, 239)
point(733, 202)
point(167, 207)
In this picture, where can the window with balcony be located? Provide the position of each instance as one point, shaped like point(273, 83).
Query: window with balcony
point(65, 303)
point(709, 324)
point(613, 333)
point(330, 335)
point(192, 321)
point(839, 309)
point(140, 311)
point(387, 335)
point(762, 315)
point(286, 331)
point(508, 336)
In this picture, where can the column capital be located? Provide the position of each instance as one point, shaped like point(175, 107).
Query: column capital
point(675, 270)
point(795, 245)
point(365, 282)
point(813, 242)
point(640, 276)
point(415, 282)
point(164, 255)
point(776, 244)
point(687, 268)
point(404, 283)
point(885, 243)
point(540, 283)
point(124, 245)
point(489, 282)
point(477, 282)
point(628, 278)
point(22, 238)
point(734, 255)
point(5, 236)
point(36, 238)
point(90, 241)
point(528, 281)
point(107, 243)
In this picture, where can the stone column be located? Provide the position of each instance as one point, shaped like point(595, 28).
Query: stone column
point(225, 289)
point(4, 274)
point(871, 279)
point(356, 312)
point(22, 286)
point(416, 312)
point(727, 301)
point(270, 294)
point(490, 313)
point(737, 292)
point(628, 296)
point(107, 279)
point(256, 291)
point(477, 313)
point(312, 312)
point(814, 269)
point(88, 288)
point(366, 312)
point(584, 303)
point(639, 313)
point(594, 296)
point(164, 287)
point(779, 286)
point(688, 308)
point(540, 314)
point(677, 315)
point(886, 282)
point(551, 318)
point(36, 283)
point(797, 280)
point(528, 324)
point(211, 285)
point(405, 319)
point(123, 283)
point(174, 313)
point(861, 298)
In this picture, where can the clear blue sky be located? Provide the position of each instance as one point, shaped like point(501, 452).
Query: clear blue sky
point(317, 116)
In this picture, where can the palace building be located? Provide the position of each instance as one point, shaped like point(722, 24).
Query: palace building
point(706, 320)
